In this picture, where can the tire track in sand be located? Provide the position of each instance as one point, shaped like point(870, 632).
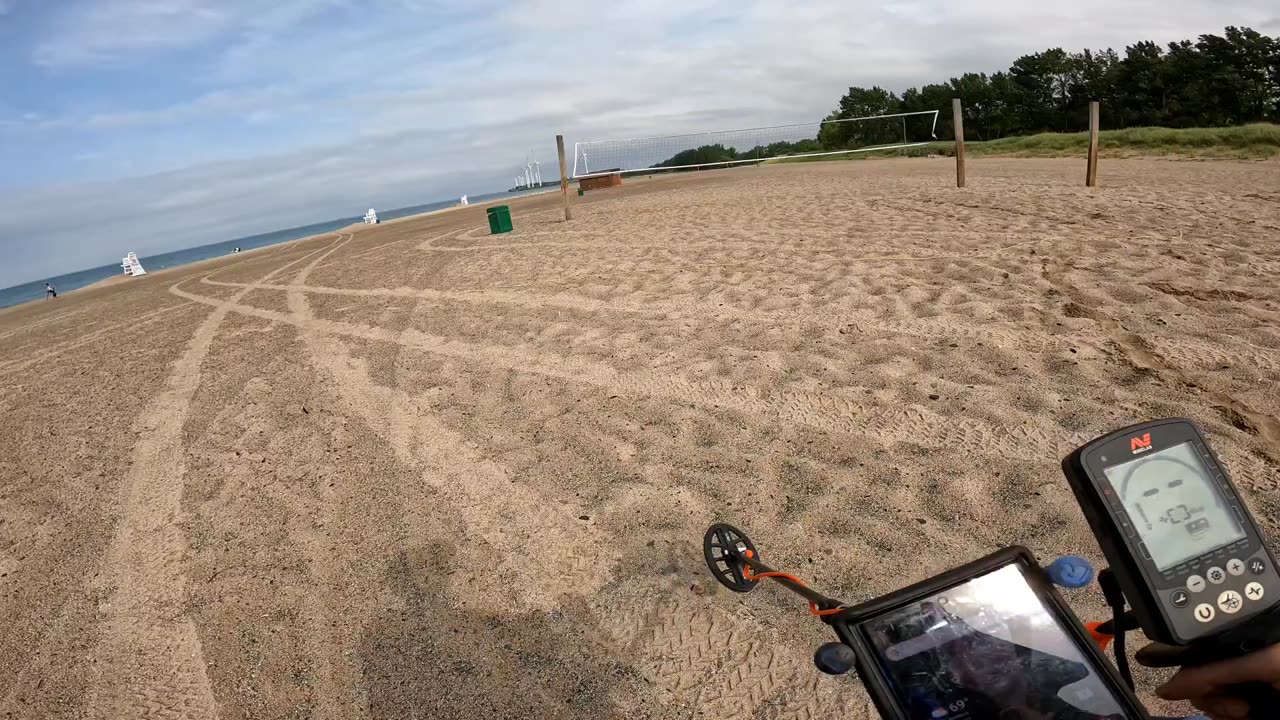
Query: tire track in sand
point(382, 246)
point(862, 322)
point(480, 232)
point(682, 649)
point(53, 318)
point(718, 664)
point(1141, 354)
point(334, 673)
point(149, 661)
point(52, 351)
point(526, 558)
point(832, 411)
point(775, 251)
point(549, 552)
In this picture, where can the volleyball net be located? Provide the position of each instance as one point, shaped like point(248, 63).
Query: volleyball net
point(754, 145)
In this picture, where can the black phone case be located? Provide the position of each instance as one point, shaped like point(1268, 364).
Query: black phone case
point(869, 666)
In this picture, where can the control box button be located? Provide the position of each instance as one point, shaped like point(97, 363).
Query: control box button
point(1204, 612)
point(1230, 602)
point(1216, 575)
point(1257, 566)
point(1180, 598)
point(1195, 583)
point(1254, 591)
point(1235, 566)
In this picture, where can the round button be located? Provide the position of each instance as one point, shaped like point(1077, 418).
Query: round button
point(1216, 575)
point(1230, 602)
point(1195, 583)
point(1254, 591)
point(1204, 612)
point(1257, 566)
point(1235, 566)
point(1180, 598)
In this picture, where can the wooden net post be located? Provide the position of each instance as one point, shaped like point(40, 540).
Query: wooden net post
point(1091, 174)
point(564, 178)
point(957, 120)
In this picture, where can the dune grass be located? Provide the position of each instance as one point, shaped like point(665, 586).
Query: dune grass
point(1257, 141)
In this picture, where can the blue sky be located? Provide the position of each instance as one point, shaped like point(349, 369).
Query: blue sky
point(151, 125)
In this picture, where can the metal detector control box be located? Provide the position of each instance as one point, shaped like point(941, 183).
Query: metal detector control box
point(1182, 544)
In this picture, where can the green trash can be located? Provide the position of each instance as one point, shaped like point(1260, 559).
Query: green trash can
point(499, 219)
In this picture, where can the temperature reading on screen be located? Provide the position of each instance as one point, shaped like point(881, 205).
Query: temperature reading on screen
point(1175, 505)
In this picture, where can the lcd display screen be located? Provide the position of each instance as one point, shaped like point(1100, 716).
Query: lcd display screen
point(1174, 504)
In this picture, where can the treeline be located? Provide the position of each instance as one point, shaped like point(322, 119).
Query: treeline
point(709, 154)
point(1215, 81)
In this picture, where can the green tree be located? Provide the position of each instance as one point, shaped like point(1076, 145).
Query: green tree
point(861, 103)
point(1141, 90)
point(930, 97)
point(1185, 76)
point(1216, 80)
point(1091, 76)
point(1006, 99)
point(1274, 80)
point(979, 99)
point(1045, 83)
point(1236, 75)
point(703, 155)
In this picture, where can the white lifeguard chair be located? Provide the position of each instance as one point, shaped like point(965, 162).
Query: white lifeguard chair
point(131, 266)
point(371, 217)
point(462, 200)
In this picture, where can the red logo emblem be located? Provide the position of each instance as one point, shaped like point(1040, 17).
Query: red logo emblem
point(1140, 443)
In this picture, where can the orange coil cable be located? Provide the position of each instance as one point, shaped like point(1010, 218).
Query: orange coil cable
point(813, 607)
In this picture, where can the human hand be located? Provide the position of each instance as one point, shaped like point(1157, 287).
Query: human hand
point(1209, 687)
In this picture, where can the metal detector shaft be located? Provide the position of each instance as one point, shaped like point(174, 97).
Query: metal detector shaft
point(813, 596)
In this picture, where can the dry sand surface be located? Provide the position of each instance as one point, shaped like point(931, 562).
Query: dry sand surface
point(418, 471)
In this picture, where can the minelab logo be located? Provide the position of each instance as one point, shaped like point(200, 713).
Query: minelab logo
point(1140, 444)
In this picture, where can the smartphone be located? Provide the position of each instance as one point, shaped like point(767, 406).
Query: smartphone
point(991, 639)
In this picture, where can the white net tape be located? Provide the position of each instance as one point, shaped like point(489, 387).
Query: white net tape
point(734, 147)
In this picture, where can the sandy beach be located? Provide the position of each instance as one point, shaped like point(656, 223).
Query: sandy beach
point(418, 471)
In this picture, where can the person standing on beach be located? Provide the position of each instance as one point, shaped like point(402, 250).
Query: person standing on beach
point(49, 292)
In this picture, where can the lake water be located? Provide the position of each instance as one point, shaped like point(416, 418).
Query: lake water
point(71, 281)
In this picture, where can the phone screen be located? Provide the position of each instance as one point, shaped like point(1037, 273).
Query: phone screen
point(988, 648)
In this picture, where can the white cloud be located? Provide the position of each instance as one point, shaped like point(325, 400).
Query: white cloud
point(90, 32)
point(396, 101)
point(220, 102)
point(109, 30)
point(631, 55)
